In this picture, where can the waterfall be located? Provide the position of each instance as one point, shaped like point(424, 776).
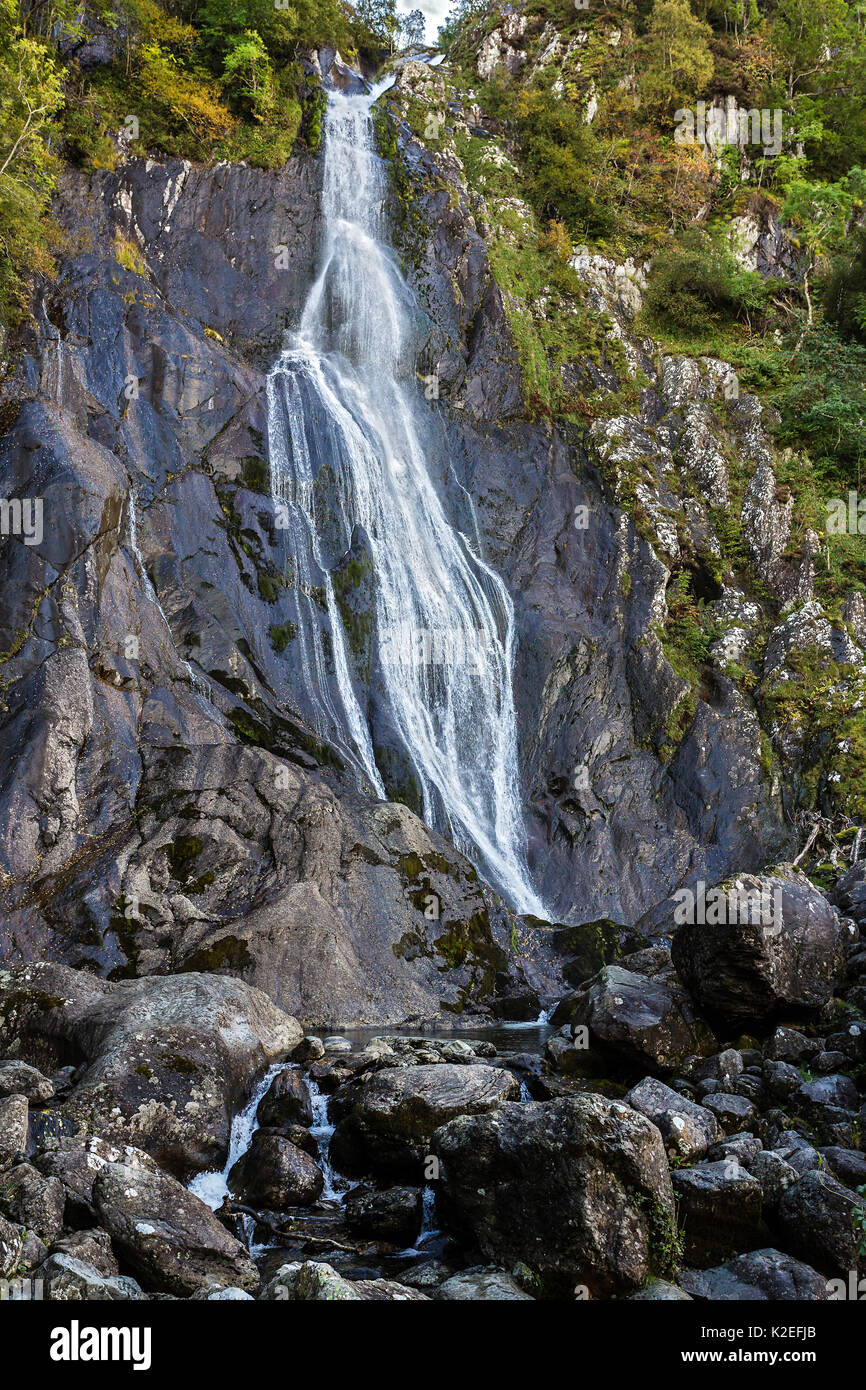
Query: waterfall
point(347, 434)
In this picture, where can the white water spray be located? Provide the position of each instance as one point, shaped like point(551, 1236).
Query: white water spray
point(347, 456)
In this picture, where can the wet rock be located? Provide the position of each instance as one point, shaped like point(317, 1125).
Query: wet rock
point(815, 1220)
point(719, 1209)
point(482, 1285)
point(640, 1022)
point(761, 1276)
point(746, 973)
point(14, 1124)
point(687, 1129)
point(309, 1049)
point(68, 1279)
point(598, 1210)
point(274, 1173)
point(168, 1057)
point(394, 1113)
point(393, 1215)
point(17, 1078)
point(32, 1201)
point(168, 1236)
point(315, 1282)
point(287, 1101)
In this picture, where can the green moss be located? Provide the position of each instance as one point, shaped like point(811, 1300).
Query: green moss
point(182, 855)
point(281, 635)
point(228, 953)
point(256, 475)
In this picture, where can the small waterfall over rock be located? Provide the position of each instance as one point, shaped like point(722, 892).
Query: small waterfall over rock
point(347, 436)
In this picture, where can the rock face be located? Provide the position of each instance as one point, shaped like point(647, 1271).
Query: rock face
point(719, 1206)
point(393, 1115)
point(598, 1210)
point(167, 1235)
point(751, 972)
point(393, 1215)
point(641, 1022)
point(167, 1057)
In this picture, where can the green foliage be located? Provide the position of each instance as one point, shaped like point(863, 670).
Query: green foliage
point(677, 62)
point(30, 94)
point(845, 290)
point(697, 283)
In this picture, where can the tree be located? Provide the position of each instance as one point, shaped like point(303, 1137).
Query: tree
point(30, 94)
point(819, 215)
point(413, 28)
point(247, 70)
point(679, 63)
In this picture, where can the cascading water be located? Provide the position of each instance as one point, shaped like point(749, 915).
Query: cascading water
point(348, 469)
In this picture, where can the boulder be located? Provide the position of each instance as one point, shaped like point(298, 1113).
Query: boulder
point(660, 1291)
point(815, 1218)
point(71, 1280)
point(394, 1113)
point(14, 1125)
point(749, 972)
point(719, 1209)
point(640, 1022)
point(276, 1174)
point(576, 1189)
point(75, 1163)
point(314, 1282)
point(90, 1247)
point(482, 1286)
point(17, 1078)
point(732, 1112)
point(166, 1234)
point(168, 1057)
point(687, 1129)
point(848, 1165)
point(10, 1248)
point(393, 1215)
point(761, 1276)
point(32, 1201)
point(774, 1175)
point(287, 1101)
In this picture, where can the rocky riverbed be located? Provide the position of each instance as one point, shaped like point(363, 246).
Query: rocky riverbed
point(663, 1136)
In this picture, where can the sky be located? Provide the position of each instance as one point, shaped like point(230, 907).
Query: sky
point(435, 10)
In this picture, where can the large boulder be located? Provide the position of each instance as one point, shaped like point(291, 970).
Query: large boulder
point(287, 1101)
point(35, 1202)
point(394, 1113)
point(17, 1078)
point(640, 1022)
point(275, 1173)
point(719, 1207)
point(393, 1215)
point(75, 1161)
point(761, 1276)
point(14, 1128)
point(754, 971)
point(166, 1234)
point(577, 1189)
point(314, 1282)
point(70, 1280)
point(168, 1058)
point(815, 1218)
